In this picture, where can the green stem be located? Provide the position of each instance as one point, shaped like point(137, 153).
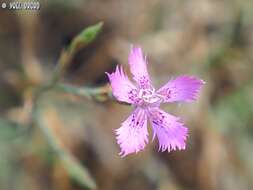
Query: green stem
point(80, 41)
point(99, 93)
point(71, 164)
point(77, 171)
point(88, 92)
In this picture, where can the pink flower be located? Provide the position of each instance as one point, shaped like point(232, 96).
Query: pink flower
point(132, 136)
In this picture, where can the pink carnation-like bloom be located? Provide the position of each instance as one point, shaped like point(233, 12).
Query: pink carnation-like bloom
point(132, 136)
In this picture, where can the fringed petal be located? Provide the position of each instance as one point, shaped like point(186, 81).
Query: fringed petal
point(132, 136)
point(138, 67)
point(170, 132)
point(183, 88)
point(122, 88)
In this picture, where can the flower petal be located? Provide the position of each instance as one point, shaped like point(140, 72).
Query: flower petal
point(183, 88)
point(138, 67)
point(132, 136)
point(170, 132)
point(122, 88)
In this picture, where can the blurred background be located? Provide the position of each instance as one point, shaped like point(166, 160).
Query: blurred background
point(63, 141)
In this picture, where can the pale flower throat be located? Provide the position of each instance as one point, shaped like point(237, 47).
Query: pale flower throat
point(149, 96)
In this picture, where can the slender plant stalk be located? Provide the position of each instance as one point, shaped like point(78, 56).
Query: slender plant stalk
point(79, 42)
point(71, 164)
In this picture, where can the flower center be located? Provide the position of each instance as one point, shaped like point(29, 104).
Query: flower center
point(149, 96)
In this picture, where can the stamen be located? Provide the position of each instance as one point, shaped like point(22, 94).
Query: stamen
point(149, 96)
